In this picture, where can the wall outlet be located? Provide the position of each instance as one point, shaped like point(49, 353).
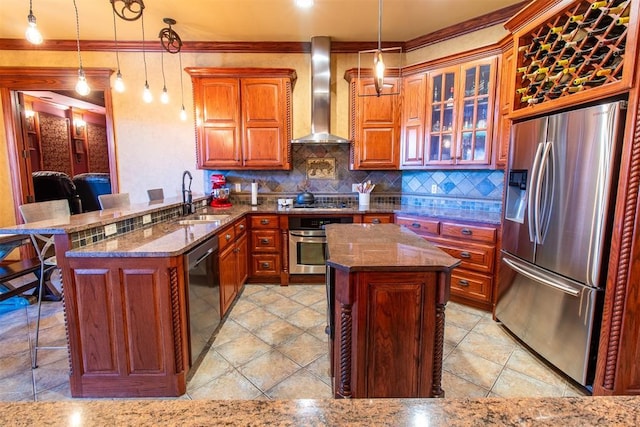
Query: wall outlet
point(110, 229)
point(354, 188)
point(146, 219)
point(434, 188)
point(238, 187)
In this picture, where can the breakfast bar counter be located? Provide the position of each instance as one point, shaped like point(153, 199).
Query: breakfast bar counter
point(387, 291)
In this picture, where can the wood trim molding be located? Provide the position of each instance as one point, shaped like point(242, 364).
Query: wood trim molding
point(203, 72)
point(535, 9)
point(462, 28)
point(466, 27)
point(37, 78)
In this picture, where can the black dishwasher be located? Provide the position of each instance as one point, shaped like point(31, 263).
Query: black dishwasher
point(203, 295)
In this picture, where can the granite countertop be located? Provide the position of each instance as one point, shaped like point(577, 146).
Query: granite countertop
point(564, 411)
point(388, 247)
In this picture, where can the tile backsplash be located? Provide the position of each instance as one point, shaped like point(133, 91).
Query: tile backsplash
point(479, 185)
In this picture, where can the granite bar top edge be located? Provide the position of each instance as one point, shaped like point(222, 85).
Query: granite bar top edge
point(542, 411)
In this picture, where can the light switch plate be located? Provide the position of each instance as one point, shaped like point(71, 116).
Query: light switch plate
point(110, 229)
point(434, 188)
point(238, 187)
point(146, 219)
point(354, 188)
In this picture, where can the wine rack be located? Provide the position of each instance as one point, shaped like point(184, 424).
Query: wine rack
point(579, 49)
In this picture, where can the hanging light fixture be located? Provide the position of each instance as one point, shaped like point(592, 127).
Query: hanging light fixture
point(32, 34)
point(147, 96)
point(129, 10)
point(119, 83)
point(171, 42)
point(379, 67)
point(82, 87)
point(164, 97)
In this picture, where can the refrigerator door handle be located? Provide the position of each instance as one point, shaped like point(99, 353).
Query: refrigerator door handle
point(532, 186)
point(540, 278)
point(544, 167)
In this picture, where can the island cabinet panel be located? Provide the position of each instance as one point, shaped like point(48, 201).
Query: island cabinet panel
point(127, 327)
point(396, 327)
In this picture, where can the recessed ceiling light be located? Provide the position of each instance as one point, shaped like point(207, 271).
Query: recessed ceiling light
point(304, 3)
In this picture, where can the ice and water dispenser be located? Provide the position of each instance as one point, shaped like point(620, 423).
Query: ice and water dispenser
point(516, 200)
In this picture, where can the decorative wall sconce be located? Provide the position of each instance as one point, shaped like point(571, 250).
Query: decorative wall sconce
point(32, 34)
point(129, 10)
point(82, 87)
point(79, 128)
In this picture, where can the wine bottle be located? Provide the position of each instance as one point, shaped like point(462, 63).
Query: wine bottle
point(577, 18)
point(621, 10)
point(573, 89)
point(598, 4)
point(535, 100)
point(624, 20)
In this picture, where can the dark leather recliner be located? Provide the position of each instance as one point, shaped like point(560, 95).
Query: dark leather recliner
point(51, 185)
point(90, 186)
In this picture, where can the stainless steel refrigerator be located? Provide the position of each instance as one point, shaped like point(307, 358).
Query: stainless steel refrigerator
point(562, 177)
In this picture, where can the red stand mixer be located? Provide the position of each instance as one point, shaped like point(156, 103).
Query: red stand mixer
point(219, 192)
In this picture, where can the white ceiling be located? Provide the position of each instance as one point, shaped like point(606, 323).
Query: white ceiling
point(247, 20)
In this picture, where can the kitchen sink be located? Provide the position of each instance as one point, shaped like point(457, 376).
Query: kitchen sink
point(203, 219)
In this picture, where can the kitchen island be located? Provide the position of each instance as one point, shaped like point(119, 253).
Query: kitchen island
point(387, 291)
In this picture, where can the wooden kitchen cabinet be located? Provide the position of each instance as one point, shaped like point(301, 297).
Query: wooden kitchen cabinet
point(232, 263)
point(459, 116)
point(243, 117)
point(372, 218)
point(127, 327)
point(504, 122)
point(374, 125)
point(413, 112)
point(473, 244)
point(265, 247)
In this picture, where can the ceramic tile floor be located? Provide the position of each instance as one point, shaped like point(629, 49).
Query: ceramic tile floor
point(273, 346)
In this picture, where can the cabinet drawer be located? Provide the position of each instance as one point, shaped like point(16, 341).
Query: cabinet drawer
point(471, 285)
point(264, 221)
point(265, 264)
point(419, 225)
point(474, 256)
point(240, 227)
point(265, 241)
point(477, 233)
point(377, 218)
point(226, 237)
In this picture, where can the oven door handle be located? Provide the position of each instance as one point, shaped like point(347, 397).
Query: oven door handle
point(307, 233)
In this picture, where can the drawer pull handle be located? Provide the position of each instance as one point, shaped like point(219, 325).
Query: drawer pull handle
point(415, 225)
point(465, 254)
point(264, 221)
point(466, 232)
point(241, 227)
point(463, 282)
point(228, 237)
point(265, 265)
point(375, 221)
point(264, 241)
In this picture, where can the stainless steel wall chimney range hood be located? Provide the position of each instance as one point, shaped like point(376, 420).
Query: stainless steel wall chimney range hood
point(320, 95)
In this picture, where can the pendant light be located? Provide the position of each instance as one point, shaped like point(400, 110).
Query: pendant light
point(171, 42)
point(129, 10)
point(164, 97)
point(147, 96)
point(378, 63)
point(119, 83)
point(82, 87)
point(32, 34)
point(183, 112)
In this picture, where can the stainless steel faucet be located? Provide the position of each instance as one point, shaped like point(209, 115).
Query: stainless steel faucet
point(187, 198)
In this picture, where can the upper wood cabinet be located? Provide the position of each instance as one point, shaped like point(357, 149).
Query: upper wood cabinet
point(503, 121)
point(447, 116)
point(243, 117)
point(374, 124)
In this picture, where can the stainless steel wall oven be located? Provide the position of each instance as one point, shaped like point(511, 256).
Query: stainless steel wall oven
point(307, 242)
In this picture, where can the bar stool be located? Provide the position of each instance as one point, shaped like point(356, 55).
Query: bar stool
point(42, 211)
point(118, 200)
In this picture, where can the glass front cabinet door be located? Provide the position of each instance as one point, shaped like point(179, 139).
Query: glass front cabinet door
point(461, 114)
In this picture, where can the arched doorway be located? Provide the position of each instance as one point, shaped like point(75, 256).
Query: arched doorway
point(16, 79)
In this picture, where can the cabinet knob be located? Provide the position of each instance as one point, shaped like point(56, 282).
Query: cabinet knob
point(465, 254)
point(463, 282)
point(466, 232)
point(415, 225)
point(241, 227)
point(375, 221)
point(264, 221)
point(265, 265)
point(228, 237)
point(265, 241)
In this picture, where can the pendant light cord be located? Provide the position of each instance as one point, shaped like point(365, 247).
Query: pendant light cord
point(379, 24)
point(78, 33)
point(181, 86)
point(115, 38)
point(144, 56)
point(164, 82)
point(30, 7)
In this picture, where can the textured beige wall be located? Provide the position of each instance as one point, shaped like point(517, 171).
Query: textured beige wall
point(153, 146)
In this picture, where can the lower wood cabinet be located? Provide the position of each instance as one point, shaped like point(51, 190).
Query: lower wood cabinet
point(474, 244)
point(127, 327)
point(266, 252)
point(371, 218)
point(232, 263)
